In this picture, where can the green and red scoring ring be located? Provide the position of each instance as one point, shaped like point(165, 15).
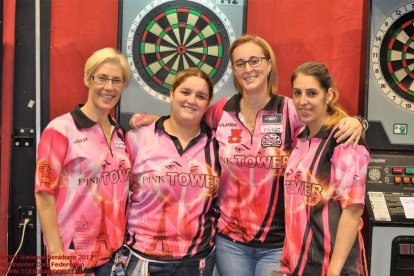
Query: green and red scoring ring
point(181, 49)
point(387, 64)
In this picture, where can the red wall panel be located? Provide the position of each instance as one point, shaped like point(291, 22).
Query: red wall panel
point(78, 28)
point(329, 31)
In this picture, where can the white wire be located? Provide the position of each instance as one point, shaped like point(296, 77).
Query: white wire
point(26, 221)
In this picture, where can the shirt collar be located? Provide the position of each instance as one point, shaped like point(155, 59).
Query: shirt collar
point(83, 121)
point(233, 104)
point(323, 133)
point(204, 128)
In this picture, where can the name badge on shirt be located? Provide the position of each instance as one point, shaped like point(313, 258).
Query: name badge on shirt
point(271, 128)
point(119, 144)
point(271, 118)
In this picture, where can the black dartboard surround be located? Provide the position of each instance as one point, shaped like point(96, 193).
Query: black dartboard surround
point(177, 35)
point(393, 63)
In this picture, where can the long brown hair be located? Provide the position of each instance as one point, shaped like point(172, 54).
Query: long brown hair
point(321, 74)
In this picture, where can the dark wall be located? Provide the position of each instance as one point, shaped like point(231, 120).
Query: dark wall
point(24, 124)
point(23, 148)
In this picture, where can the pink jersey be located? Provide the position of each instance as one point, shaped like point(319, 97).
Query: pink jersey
point(89, 180)
point(173, 207)
point(321, 179)
point(253, 165)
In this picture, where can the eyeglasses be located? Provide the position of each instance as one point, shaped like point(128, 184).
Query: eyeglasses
point(102, 80)
point(253, 62)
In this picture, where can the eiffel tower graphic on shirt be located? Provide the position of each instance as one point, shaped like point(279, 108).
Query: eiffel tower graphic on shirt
point(80, 236)
point(234, 226)
point(160, 237)
point(103, 247)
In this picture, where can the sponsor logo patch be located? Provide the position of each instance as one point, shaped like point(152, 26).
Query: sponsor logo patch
point(119, 144)
point(81, 140)
point(271, 129)
point(271, 140)
point(235, 136)
point(272, 118)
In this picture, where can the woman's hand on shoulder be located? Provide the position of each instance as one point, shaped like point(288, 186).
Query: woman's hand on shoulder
point(350, 131)
point(142, 119)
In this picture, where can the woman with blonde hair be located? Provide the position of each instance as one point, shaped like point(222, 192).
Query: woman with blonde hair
point(82, 173)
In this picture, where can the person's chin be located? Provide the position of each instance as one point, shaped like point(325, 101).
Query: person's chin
point(191, 118)
point(305, 120)
point(107, 106)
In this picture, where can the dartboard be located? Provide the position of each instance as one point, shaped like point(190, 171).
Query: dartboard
point(393, 57)
point(168, 36)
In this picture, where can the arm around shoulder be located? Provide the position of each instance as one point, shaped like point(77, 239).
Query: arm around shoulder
point(214, 112)
point(142, 119)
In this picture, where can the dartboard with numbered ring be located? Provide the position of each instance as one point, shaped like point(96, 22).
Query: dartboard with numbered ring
point(174, 35)
point(393, 57)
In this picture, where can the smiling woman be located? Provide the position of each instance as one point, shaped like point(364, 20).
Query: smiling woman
point(85, 144)
point(322, 225)
point(189, 101)
point(316, 96)
point(254, 131)
point(173, 207)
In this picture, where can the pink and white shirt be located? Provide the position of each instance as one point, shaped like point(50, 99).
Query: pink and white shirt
point(253, 165)
point(173, 207)
point(89, 179)
point(321, 179)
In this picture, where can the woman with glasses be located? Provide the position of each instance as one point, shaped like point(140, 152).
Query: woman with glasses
point(82, 174)
point(254, 130)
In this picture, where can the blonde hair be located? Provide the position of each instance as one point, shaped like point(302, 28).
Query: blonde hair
point(267, 52)
point(321, 74)
point(107, 55)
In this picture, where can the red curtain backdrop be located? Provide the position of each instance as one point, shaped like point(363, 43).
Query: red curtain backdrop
point(329, 31)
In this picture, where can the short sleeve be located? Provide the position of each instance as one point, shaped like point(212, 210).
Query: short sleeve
point(51, 154)
point(295, 122)
point(214, 112)
point(130, 143)
point(349, 167)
